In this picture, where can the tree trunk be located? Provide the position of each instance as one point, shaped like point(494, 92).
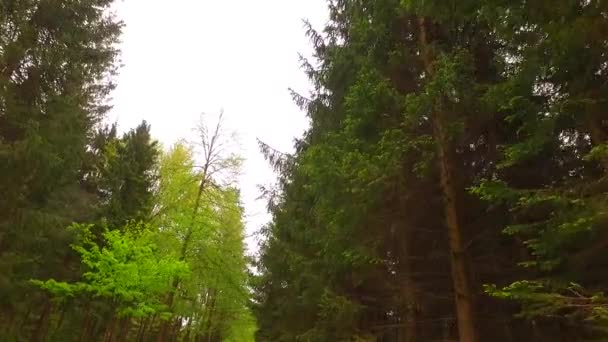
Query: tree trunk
point(448, 173)
point(42, 324)
point(61, 317)
point(458, 259)
point(409, 296)
point(208, 318)
point(86, 322)
point(408, 289)
point(162, 336)
point(8, 330)
point(110, 333)
point(125, 324)
point(142, 328)
point(150, 327)
point(26, 317)
point(188, 329)
point(175, 330)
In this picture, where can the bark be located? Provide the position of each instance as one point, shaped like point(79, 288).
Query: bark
point(150, 327)
point(175, 330)
point(10, 323)
point(408, 293)
point(142, 328)
point(125, 324)
point(61, 317)
point(410, 334)
point(42, 324)
point(110, 334)
point(208, 320)
point(86, 323)
point(26, 317)
point(448, 173)
point(188, 330)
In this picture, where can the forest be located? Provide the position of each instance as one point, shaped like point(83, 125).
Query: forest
point(107, 236)
point(452, 185)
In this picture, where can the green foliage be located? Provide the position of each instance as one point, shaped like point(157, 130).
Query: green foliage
point(127, 271)
point(135, 237)
point(56, 69)
point(496, 91)
point(450, 143)
point(547, 299)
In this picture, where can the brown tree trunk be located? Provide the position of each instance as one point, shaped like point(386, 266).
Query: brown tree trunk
point(109, 335)
point(61, 317)
point(85, 323)
point(42, 324)
point(150, 327)
point(462, 288)
point(142, 328)
point(26, 317)
point(8, 330)
point(448, 173)
point(410, 334)
point(408, 289)
point(125, 324)
point(175, 330)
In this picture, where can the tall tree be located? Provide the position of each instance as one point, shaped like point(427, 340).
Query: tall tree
point(56, 67)
point(191, 228)
point(376, 195)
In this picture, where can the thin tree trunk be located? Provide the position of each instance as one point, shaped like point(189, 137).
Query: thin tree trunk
point(8, 330)
point(86, 322)
point(209, 318)
point(175, 329)
point(448, 173)
point(408, 290)
point(124, 329)
point(188, 329)
point(210, 159)
point(409, 295)
point(61, 318)
point(142, 328)
point(458, 259)
point(26, 317)
point(150, 327)
point(41, 326)
point(110, 334)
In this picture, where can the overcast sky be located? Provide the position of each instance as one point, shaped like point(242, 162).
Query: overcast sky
point(184, 57)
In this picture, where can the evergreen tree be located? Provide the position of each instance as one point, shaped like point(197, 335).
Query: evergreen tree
point(56, 65)
point(127, 174)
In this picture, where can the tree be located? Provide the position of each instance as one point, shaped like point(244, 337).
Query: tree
point(127, 273)
point(126, 174)
point(202, 226)
point(552, 171)
point(56, 67)
point(372, 217)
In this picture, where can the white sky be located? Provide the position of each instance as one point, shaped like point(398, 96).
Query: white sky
point(185, 57)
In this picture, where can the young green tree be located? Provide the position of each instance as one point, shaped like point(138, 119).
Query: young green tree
point(217, 162)
point(127, 273)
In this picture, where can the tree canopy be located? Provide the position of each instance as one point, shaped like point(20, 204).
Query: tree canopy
point(451, 185)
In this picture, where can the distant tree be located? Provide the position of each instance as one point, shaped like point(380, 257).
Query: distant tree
point(128, 176)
